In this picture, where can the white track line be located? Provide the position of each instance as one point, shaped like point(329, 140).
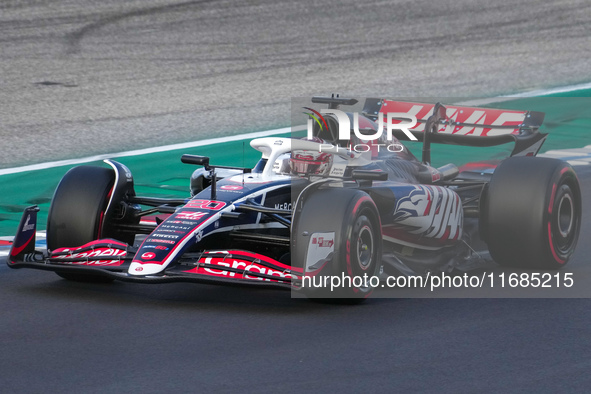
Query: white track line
point(212, 141)
point(586, 151)
point(575, 157)
point(165, 148)
point(39, 243)
point(546, 92)
point(533, 93)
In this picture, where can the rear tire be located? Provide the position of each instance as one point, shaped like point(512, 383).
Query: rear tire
point(531, 213)
point(77, 212)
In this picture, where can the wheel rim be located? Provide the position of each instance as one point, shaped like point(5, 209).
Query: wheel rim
point(565, 222)
point(565, 215)
point(365, 247)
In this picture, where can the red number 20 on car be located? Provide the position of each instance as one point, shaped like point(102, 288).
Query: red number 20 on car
point(206, 204)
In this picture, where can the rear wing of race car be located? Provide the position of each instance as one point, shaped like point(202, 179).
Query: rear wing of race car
point(459, 125)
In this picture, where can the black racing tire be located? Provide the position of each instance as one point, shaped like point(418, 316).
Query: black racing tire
point(77, 211)
point(354, 218)
point(531, 213)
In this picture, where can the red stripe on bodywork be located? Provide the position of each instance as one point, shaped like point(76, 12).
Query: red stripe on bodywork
point(263, 258)
point(237, 261)
point(101, 242)
point(17, 249)
point(481, 165)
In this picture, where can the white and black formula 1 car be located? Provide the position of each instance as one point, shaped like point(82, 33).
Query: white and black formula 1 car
point(323, 206)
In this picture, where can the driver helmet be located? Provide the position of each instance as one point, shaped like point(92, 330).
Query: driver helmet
point(309, 162)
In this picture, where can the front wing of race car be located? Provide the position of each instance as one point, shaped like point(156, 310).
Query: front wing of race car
point(110, 258)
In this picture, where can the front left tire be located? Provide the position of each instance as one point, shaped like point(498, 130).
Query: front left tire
point(77, 213)
point(353, 218)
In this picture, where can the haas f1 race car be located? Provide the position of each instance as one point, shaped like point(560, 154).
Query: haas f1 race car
point(323, 205)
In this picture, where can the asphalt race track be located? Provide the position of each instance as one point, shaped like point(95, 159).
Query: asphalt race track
point(84, 77)
point(93, 77)
point(60, 336)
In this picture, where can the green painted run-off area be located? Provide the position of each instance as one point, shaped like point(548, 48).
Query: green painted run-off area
point(568, 121)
